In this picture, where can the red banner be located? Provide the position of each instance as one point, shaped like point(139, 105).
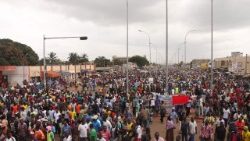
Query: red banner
point(180, 99)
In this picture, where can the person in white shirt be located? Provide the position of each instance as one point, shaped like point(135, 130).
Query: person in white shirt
point(57, 115)
point(139, 132)
point(107, 123)
point(226, 113)
point(23, 114)
point(10, 137)
point(67, 138)
point(51, 114)
point(83, 131)
point(192, 129)
point(158, 138)
point(152, 104)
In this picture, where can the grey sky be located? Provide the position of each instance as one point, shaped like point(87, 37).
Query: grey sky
point(103, 21)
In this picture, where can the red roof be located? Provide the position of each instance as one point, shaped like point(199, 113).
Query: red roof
point(51, 74)
point(7, 68)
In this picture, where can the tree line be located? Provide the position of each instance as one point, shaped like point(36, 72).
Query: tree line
point(15, 53)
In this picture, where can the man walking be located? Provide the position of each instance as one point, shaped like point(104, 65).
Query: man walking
point(83, 131)
point(192, 129)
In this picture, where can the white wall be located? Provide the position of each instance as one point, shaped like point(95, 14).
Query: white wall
point(17, 76)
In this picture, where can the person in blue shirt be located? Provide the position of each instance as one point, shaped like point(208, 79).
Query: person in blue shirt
point(66, 129)
point(173, 115)
point(96, 123)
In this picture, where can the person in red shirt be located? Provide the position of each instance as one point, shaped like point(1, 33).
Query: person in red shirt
point(15, 108)
point(240, 125)
point(106, 133)
point(78, 109)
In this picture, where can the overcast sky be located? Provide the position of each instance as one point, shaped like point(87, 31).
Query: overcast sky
point(104, 22)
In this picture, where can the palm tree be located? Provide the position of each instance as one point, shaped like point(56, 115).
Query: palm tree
point(74, 59)
point(52, 58)
point(101, 61)
point(84, 58)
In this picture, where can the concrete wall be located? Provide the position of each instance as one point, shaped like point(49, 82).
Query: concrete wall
point(17, 76)
point(27, 72)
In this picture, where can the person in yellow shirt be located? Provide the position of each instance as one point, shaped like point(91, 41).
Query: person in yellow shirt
point(246, 134)
point(25, 106)
point(72, 115)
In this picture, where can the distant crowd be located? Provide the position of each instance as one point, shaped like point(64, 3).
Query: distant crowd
point(100, 108)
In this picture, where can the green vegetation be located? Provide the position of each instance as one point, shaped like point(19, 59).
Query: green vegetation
point(15, 53)
point(101, 61)
point(139, 60)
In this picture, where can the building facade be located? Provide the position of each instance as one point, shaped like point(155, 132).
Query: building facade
point(200, 63)
point(19, 73)
point(237, 63)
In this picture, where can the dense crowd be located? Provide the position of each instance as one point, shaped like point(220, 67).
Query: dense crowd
point(100, 109)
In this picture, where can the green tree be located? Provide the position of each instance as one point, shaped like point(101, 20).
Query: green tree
point(139, 60)
point(52, 58)
point(15, 53)
point(74, 58)
point(3, 62)
point(101, 61)
point(84, 58)
point(40, 62)
point(117, 62)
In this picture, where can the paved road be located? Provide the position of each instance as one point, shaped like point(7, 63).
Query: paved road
point(157, 126)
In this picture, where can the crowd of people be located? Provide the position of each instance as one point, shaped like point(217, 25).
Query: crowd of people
point(224, 110)
point(101, 109)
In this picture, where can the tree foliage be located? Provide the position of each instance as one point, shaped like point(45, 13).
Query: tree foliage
point(101, 61)
point(52, 58)
point(117, 62)
point(48, 62)
point(15, 53)
point(84, 58)
point(139, 60)
point(41, 61)
point(74, 58)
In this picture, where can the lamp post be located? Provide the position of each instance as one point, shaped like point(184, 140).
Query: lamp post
point(149, 43)
point(212, 48)
point(156, 52)
point(185, 42)
point(127, 47)
point(178, 55)
point(44, 59)
point(166, 45)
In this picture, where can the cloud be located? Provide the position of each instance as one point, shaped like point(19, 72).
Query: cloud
point(228, 14)
point(104, 22)
point(108, 12)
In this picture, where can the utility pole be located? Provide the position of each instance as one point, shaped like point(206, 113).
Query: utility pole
point(166, 45)
point(127, 48)
point(178, 55)
point(212, 48)
point(246, 65)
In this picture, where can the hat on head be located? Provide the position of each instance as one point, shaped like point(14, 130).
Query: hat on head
point(95, 117)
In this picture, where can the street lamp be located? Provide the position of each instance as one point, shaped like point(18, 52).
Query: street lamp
point(149, 43)
point(127, 48)
point(212, 48)
point(178, 56)
point(166, 45)
point(185, 42)
point(44, 60)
